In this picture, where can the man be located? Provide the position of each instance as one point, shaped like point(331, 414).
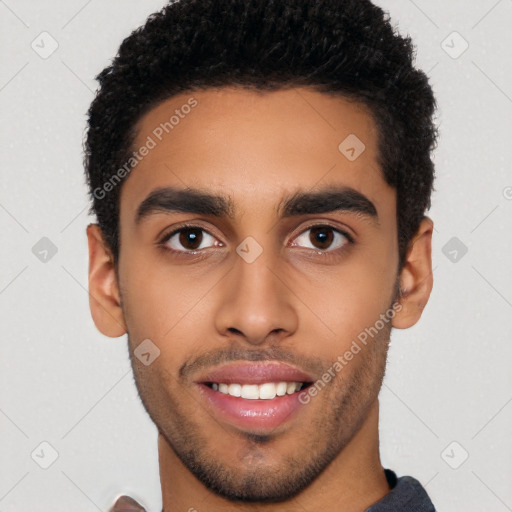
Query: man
point(260, 172)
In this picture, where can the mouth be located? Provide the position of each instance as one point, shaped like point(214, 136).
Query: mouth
point(254, 396)
point(265, 391)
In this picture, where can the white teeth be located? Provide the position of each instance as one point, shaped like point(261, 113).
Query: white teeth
point(250, 391)
point(291, 387)
point(281, 389)
point(235, 390)
point(266, 391)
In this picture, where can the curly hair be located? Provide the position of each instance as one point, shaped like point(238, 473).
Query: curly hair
point(346, 48)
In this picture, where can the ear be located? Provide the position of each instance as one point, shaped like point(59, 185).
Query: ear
point(104, 298)
point(416, 278)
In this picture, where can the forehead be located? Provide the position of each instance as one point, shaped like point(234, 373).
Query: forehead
point(254, 146)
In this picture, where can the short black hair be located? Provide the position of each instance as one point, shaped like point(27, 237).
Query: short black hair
point(345, 48)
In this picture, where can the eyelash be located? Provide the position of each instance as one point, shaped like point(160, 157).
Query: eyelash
point(327, 253)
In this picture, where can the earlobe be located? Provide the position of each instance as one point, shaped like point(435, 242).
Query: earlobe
point(416, 279)
point(104, 297)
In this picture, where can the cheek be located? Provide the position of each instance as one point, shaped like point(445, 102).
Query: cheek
point(152, 299)
point(164, 303)
point(348, 300)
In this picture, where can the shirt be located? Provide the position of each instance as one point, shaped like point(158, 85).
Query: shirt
point(406, 495)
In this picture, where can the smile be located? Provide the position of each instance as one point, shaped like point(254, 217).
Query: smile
point(265, 391)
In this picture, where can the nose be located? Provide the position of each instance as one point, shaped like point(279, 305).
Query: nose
point(256, 302)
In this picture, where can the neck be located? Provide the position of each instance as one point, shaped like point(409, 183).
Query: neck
point(353, 481)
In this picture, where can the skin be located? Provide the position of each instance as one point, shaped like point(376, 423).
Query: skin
point(290, 304)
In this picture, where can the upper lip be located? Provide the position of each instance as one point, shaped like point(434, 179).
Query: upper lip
point(255, 373)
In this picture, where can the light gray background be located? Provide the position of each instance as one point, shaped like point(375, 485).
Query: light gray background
point(62, 382)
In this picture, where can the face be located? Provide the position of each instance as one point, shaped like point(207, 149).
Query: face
point(282, 272)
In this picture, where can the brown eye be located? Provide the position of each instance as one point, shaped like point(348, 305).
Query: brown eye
point(322, 238)
point(189, 239)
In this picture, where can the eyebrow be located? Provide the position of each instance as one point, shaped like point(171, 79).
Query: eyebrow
point(197, 201)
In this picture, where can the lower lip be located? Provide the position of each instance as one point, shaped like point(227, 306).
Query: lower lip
point(262, 414)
